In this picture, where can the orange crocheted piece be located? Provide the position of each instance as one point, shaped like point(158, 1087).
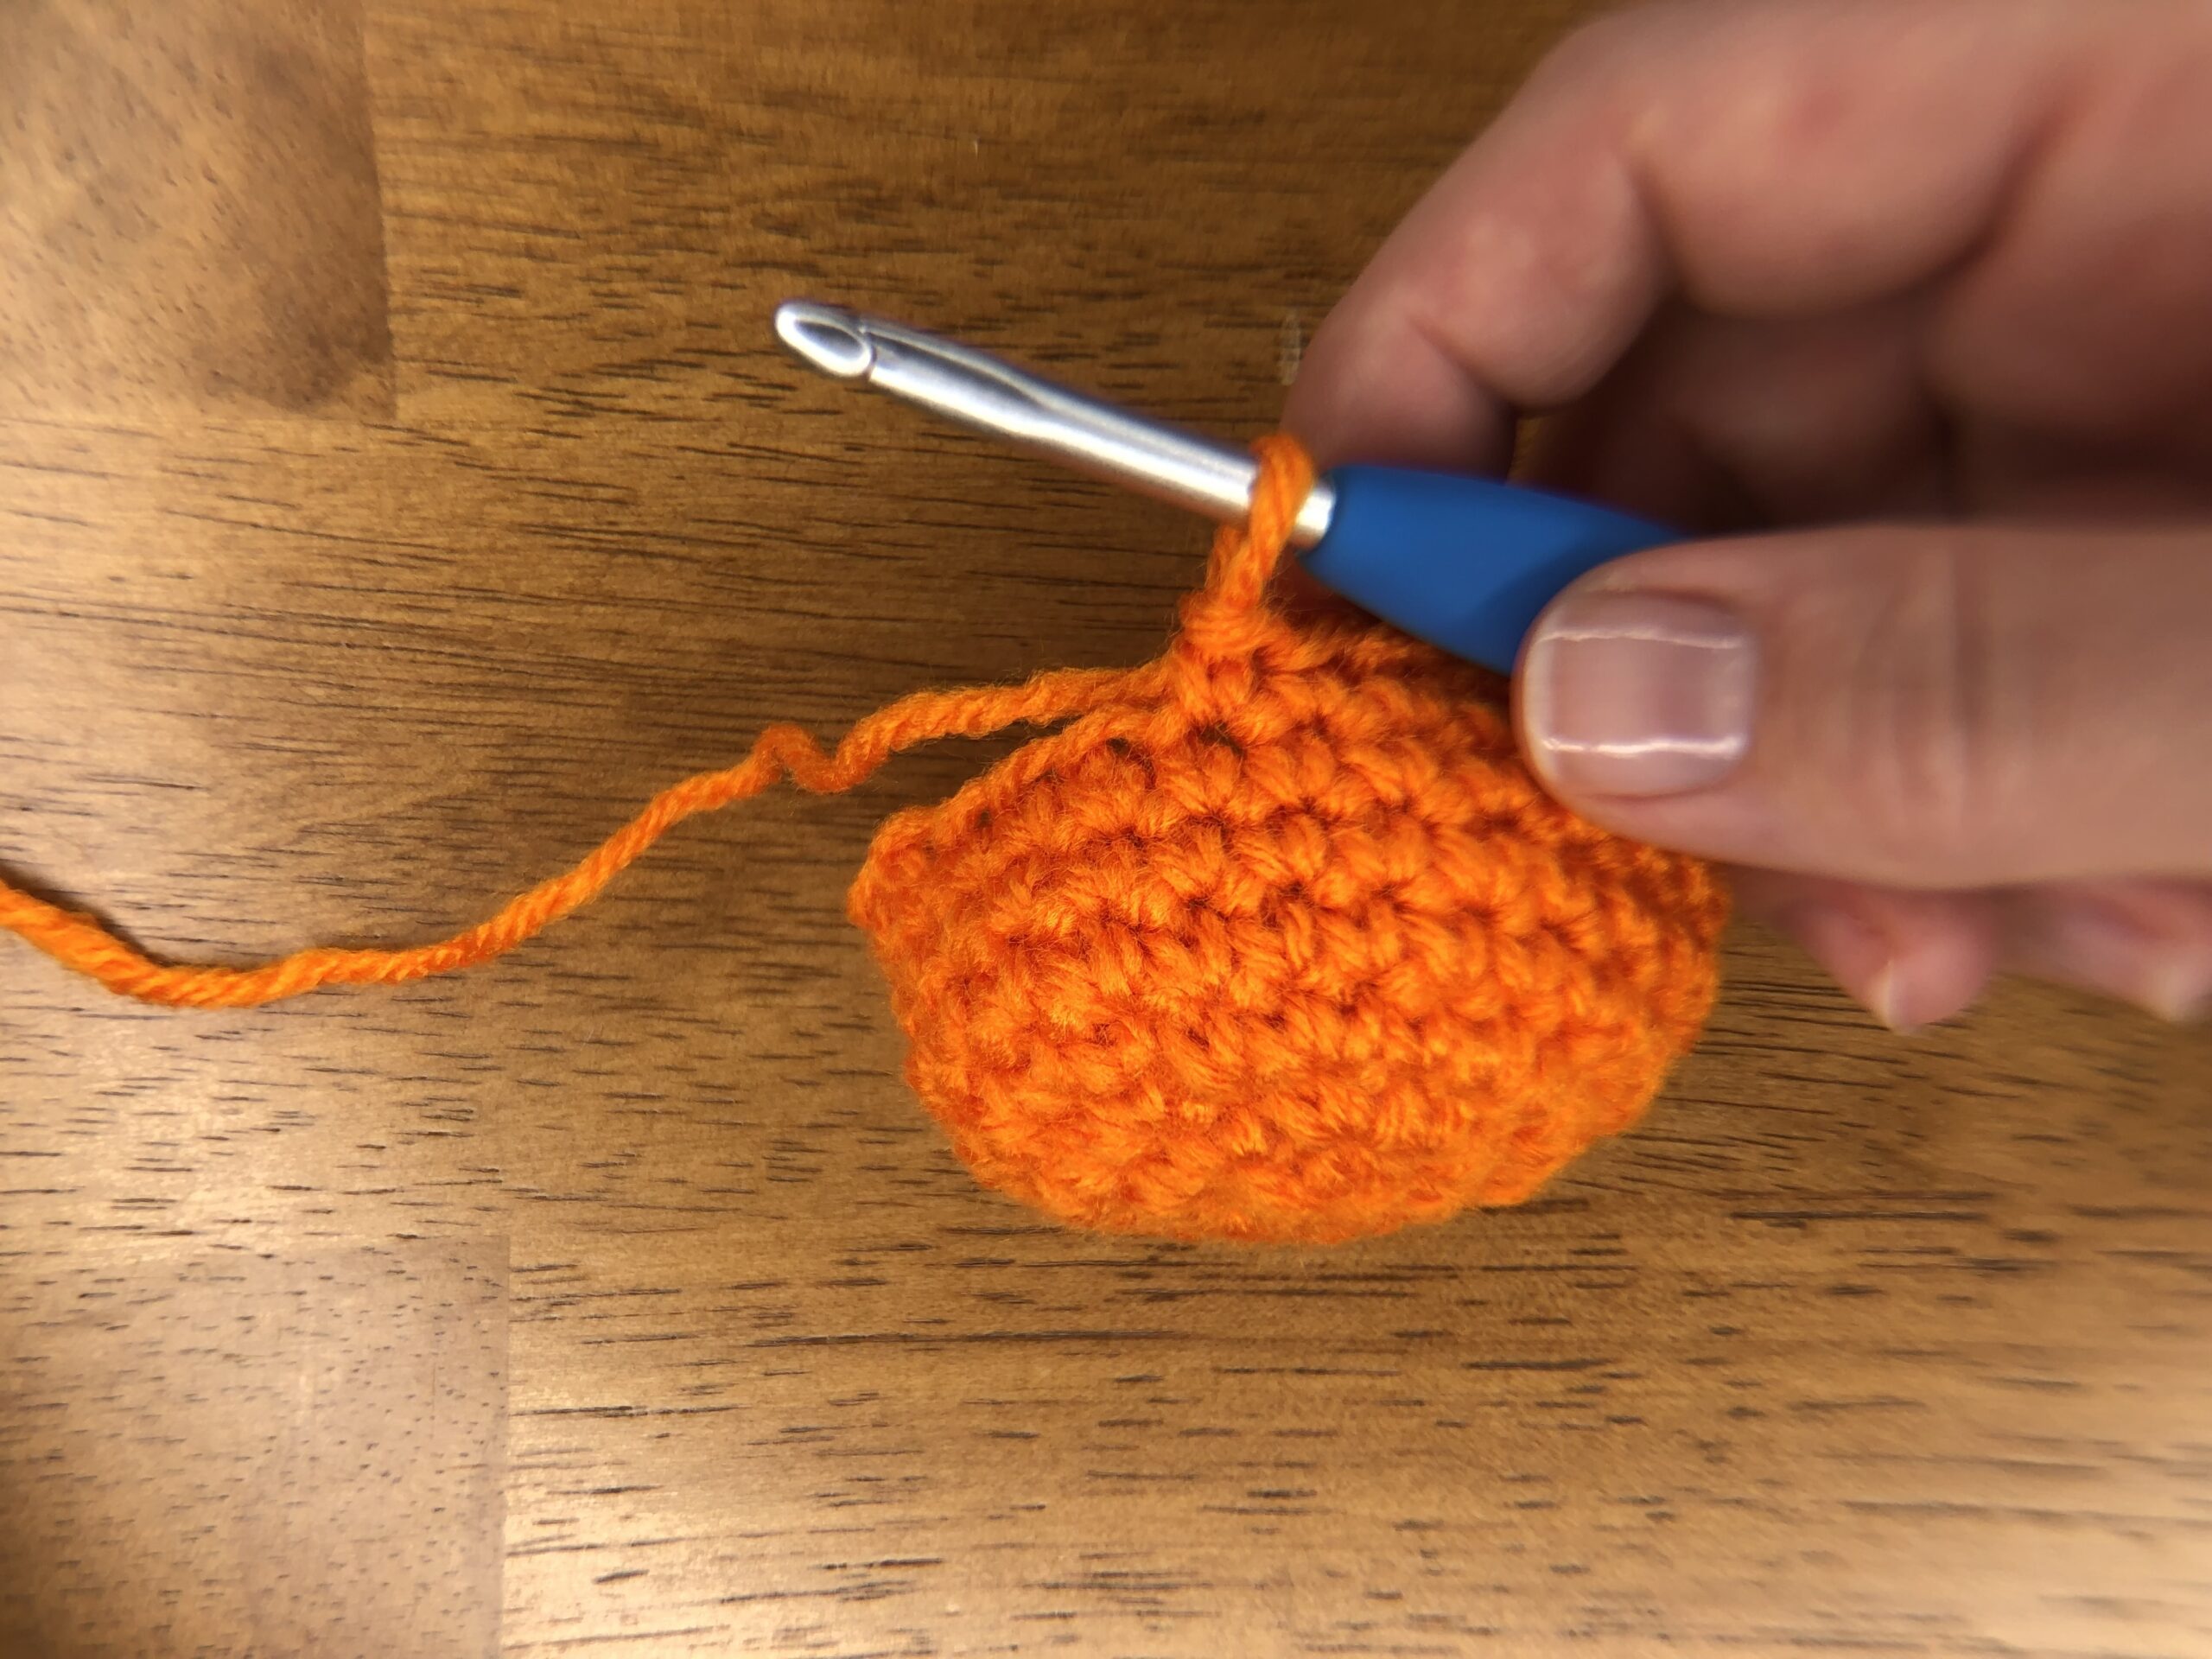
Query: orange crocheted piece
point(1275, 939)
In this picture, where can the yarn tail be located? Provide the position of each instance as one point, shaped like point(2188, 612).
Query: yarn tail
point(86, 946)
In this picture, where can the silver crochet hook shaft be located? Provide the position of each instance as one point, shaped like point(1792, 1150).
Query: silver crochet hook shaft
point(979, 391)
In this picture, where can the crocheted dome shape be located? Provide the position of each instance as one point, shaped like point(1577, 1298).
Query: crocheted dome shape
point(1275, 938)
point(1282, 944)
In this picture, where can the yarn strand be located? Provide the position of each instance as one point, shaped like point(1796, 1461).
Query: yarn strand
point(1274, 937)
point(86, 946)
point(1244, 559)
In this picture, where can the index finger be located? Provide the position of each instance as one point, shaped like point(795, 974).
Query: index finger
point(1755, 158)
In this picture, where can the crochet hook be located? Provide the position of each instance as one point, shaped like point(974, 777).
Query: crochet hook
point(1466, 563)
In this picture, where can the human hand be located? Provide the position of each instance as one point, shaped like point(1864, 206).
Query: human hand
point(1913, 300)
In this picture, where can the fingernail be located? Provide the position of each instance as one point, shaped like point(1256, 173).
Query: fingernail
point(1862, 961)
point(1637, 694)
point(1886, 1000)
point(2099, 948)
point(2181, 998)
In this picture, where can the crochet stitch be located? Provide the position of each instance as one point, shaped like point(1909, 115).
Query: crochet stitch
point(1275, 939)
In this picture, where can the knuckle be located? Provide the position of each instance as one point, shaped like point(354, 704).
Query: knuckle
point(1932, 727)
point(1624, 36)
point(1599, 43)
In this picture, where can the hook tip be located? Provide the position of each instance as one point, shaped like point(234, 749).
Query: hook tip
point(828, 336)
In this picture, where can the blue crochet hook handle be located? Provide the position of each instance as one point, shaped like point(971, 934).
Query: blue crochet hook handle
point(1465, 563)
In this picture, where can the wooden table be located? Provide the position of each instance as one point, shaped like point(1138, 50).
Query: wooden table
point(398, 481)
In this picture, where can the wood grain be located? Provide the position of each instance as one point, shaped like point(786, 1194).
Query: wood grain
point(190, 210)
point(185, 1427)
point(1857, 1344)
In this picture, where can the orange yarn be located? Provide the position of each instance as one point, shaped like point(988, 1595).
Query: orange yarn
point(1276, 939)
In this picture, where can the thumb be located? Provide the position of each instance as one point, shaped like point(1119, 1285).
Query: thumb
point(1952, 707)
